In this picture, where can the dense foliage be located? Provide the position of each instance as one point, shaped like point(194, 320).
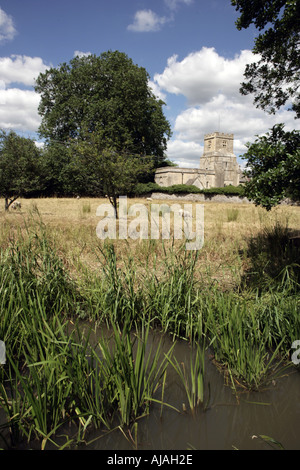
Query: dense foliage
point(20, 167)
point(273, 161)
point(274, 77)
point(273, 167)
point(106, 94)
point(109, 171)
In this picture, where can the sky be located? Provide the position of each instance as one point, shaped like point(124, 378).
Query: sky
point(191, 49)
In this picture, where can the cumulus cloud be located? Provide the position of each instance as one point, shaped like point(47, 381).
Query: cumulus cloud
point(20, 69)
point(211, 85)
point(203, 73)
point(19, 110)
point(18, 106)
point(7, 28)
point(184, 154)
point(147, 21)
point(220, 114)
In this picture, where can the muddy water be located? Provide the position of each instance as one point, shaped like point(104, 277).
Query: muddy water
point(227, 423)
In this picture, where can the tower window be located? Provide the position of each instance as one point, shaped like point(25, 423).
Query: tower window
point(224, 143)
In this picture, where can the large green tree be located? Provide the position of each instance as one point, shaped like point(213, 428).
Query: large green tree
point(107, 94)
point(20, 167)
point(273, 167)
point(109, 171)
point(274, 78)
point(273, 160)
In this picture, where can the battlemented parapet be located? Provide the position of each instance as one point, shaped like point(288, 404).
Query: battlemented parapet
point(218, 142)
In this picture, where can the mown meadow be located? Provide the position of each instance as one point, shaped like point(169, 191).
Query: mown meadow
point(237, 299)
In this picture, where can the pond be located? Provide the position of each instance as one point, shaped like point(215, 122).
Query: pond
point(228, 421)
point(225, 421)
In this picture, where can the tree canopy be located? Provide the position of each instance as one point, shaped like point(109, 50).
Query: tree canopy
point(20, 167)
point(106, 94)
point(273, 167)
point(109, 171)
point(274, 78)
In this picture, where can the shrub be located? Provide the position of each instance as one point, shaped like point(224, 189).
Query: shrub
point(145, 188)
point(226, 190)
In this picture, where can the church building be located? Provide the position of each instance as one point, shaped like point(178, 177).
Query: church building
point(218, 166)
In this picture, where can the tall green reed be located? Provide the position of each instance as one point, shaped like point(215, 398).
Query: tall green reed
point(240, 342)
point(116, 292)
point(136, 372)
point(193, 377)
point(171, 295)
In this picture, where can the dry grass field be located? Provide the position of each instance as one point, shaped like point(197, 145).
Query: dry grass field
point(71, 224)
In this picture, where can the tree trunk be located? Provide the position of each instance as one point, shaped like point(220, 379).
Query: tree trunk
point(8, 202)
point(115, 204)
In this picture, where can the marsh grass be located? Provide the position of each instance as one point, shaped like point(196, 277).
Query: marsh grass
point(170, 297)
point(136, 372)
point(239, 294)
point(192, 377)
point(240, 343)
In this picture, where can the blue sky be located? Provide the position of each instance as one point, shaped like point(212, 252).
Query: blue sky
point(191, 49)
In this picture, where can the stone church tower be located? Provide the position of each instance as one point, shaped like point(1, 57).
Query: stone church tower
point(218, 166)
point(219, 158)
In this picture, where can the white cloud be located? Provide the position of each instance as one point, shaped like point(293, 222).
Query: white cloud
point(242, 119)
point(146, 21)
point(203, 73)
point(19, 107)
point(39, 144)
point(20, 69)
point(19, 110)
point(7, 28)
point(184, 154)
point(81, 54)
point(156, 90)
point(220, 114)
point(173, 4)
point(149, 21)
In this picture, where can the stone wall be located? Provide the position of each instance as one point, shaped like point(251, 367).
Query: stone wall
point(201, 198)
